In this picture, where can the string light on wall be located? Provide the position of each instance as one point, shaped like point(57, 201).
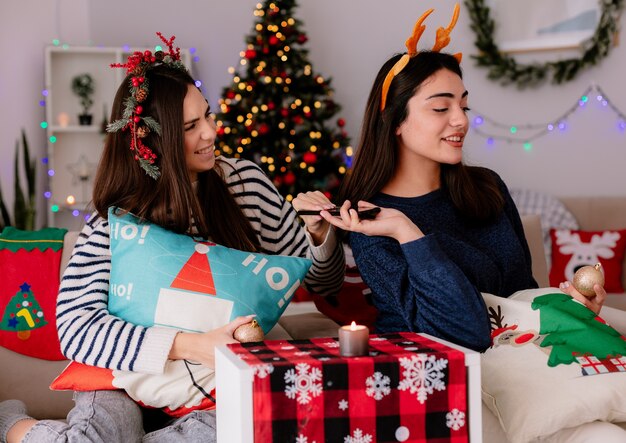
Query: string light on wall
point(492, 130)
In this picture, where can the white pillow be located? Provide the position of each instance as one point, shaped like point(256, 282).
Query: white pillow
point(536, 389)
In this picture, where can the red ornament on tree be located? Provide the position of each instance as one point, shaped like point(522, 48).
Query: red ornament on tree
point(308, 114)
point(220, 131)
point(309, 157)
point(302, 38)
point(271, 106)
point(264, 129)
point(273, 40)
point(250, 54)
point(289, 178)
point(341, 122)
point(230, 94)
point(284, 112)
point(298, 120)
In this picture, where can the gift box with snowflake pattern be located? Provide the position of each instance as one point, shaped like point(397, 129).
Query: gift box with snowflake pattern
point(410, 388)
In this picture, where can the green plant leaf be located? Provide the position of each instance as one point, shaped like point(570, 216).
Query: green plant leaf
point(19, 205)
point(6, 218)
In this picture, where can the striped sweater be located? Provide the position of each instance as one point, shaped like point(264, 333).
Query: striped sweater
point(89, 334)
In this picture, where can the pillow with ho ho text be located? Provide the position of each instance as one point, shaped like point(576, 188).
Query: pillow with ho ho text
point(160, 278)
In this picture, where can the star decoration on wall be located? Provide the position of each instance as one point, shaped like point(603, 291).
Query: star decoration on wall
point(82, 170)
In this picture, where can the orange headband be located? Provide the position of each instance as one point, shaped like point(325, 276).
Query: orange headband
point(442, 40)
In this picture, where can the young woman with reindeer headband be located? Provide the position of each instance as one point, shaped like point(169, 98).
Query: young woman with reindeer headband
point(447, 231)
point(159, 164)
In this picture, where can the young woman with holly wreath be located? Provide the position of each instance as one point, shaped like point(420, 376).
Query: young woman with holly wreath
point(171, 177)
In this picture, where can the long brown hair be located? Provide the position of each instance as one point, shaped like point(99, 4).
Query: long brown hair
point(169, 201)
point(474, 191)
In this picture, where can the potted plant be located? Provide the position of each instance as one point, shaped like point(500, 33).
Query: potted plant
point(83, 87)
point(24, 204)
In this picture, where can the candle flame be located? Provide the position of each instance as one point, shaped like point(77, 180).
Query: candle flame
point(353, 326)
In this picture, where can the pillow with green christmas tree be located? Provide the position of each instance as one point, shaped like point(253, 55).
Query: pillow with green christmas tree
point(553, 364)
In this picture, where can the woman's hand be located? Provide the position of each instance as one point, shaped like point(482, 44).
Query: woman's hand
point(388, 223)
point(316, 225)
point(594, 303)
point(201, 347)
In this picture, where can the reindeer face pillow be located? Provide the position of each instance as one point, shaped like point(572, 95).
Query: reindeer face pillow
point(572, 250)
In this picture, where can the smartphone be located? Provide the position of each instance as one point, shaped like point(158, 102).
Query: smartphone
point(365, 214)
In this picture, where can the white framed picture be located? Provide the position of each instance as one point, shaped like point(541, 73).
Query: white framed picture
point(542, 25)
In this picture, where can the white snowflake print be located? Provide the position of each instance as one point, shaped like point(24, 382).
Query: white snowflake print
point(358, 437)
point(455, 419)
point(378, 386)
point(324, 358)
point(287, 348)
point(378, 339)
point(303, 383)
point(422, 374)
point(303, 439)
point(301, 353)
point(343, 404)
point(262, 371)
point(332, 344)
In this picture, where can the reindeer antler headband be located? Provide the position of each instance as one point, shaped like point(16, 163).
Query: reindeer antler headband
point(133, 119)
point(442, 40)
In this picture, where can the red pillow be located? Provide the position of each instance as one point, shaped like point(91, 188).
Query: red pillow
point(80, 377)
point(572, 249)
point(353, 303)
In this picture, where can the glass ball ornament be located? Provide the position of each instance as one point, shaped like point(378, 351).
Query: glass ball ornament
point(586, 277)
point(249, 332)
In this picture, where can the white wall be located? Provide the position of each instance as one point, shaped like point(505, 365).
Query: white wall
point(348, 41)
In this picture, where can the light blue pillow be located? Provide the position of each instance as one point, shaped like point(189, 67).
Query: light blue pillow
point(166, 279)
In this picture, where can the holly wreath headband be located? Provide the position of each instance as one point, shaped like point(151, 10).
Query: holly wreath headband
point(133, 119)
point(442, 40)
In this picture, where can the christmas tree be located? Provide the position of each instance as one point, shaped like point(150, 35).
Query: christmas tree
point(279, 113)
point(23, 313)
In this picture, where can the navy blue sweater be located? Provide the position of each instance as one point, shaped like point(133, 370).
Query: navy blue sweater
point(433, 284)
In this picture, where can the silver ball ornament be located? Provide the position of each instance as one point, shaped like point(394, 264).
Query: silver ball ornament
point(586, 277)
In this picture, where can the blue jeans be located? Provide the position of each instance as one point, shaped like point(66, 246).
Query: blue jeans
point(112, 416)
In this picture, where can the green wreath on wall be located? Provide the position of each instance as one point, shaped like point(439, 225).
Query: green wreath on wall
point(504, 68)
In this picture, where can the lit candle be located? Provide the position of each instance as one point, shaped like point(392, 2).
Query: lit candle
point(353, 340)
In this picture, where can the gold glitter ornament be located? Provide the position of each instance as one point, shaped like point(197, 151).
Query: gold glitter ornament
point(586, 277)
point(249, 332)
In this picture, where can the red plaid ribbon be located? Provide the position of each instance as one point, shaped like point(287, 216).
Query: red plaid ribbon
point(409, 389)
